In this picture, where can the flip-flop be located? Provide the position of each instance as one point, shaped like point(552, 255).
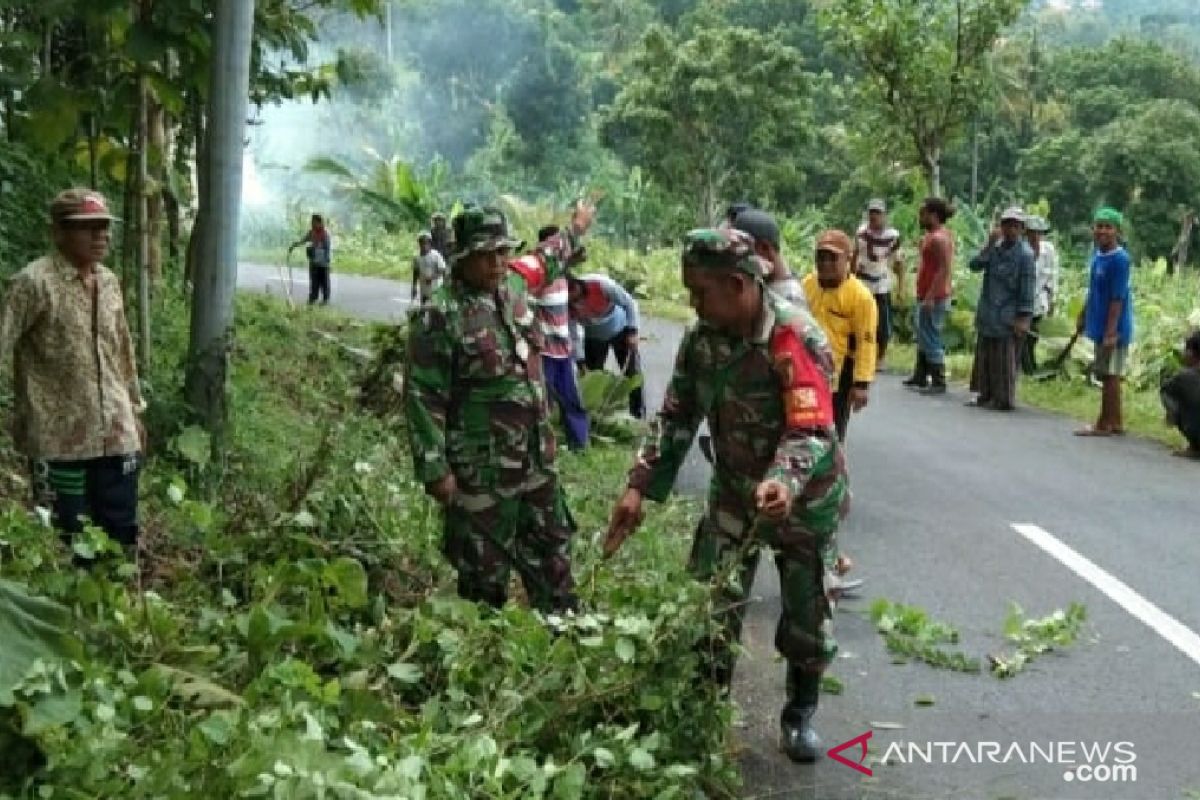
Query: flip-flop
point(1091, 430)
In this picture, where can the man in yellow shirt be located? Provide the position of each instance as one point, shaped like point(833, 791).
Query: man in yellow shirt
point(846, 310)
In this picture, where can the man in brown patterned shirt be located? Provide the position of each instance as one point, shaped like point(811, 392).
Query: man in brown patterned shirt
point(76, 394)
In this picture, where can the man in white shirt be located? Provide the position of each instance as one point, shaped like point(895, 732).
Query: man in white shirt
point(876, 251)
point(1045, 287)
point(429, 268)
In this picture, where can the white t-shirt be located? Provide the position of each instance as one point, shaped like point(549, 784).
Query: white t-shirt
point(430, 270)
point(876, 255)
point(1047, 278)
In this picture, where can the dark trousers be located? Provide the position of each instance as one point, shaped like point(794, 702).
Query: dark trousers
point(595, 356)
point(103, 490)
point(560, 380)
point(841, 398)
point(318, 283)
point(883, 331)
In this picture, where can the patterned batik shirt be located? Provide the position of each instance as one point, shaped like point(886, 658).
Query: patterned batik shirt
point(74, 377)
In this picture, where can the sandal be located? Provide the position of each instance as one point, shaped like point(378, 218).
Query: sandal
point(1092, 430)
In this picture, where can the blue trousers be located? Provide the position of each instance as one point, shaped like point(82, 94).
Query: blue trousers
point(560, 380)
point(930, 322)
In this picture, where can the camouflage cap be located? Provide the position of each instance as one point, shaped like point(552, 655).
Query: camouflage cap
point(723, 248)
point(479, 229)
point(1013, 214)
point(1036, 224)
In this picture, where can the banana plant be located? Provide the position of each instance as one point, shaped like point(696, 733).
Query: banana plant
point(390, 187)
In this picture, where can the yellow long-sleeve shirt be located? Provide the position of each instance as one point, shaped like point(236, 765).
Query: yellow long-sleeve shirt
point(849, 316)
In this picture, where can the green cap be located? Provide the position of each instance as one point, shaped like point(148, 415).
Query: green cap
point(1109, 215)
point(722, 248)
point(479, 229)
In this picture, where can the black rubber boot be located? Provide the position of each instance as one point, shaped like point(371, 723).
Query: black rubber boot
point(797, 739)
point(920, 374)
point(938, 385)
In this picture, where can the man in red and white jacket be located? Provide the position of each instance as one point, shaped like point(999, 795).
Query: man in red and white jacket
point(544, 272)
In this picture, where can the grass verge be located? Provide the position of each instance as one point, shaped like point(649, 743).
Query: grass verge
point(1073, 397)
point(291, 628)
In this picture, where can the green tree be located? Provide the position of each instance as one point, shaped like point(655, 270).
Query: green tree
point(925, 64)
point(1149, 165)
point(704, 115)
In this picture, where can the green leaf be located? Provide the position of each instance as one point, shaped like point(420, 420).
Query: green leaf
point(604, 757)
point(348, 576)
point(195, 445)
point(53, 711)
point(405, 672)
point(31, 628)
point(641, 759)
point(625, 650)
point(924, 700)
point(570, 783)
point(832, 684)
point(143, 704)
point(217, 727)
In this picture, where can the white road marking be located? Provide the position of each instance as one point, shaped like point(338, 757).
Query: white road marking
point(1183, 638)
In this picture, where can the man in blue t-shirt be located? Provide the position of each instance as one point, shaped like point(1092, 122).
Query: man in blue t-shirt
point(1107, 318)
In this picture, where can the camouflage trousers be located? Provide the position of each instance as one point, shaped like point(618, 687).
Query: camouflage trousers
point(489, 532)
point(803, 556)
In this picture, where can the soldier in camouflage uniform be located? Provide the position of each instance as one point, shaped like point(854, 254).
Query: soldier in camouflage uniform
point(479, 427)
point(757, 369)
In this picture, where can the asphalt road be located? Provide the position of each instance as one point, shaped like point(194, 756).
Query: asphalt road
point(963, 512)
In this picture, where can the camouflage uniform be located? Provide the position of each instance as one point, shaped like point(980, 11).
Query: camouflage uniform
point(736, 385)
point(476, 407)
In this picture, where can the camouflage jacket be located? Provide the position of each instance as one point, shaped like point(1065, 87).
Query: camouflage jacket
point(474, 395)
point(732, 382)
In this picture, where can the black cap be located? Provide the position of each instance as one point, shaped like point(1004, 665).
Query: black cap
point(735, 209)
point(760, 225)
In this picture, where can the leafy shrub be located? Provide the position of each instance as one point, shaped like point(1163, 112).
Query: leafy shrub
point(25, 192)
point(293, 632)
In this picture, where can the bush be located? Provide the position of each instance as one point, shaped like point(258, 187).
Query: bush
point(25, 193)
point(293, 630)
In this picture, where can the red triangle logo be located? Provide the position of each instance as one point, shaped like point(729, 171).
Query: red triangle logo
point(861, 740)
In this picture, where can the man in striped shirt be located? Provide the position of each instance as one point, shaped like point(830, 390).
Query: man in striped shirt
point(545, 274)
point(876, 250)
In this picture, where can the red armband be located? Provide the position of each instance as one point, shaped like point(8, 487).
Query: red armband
point(530, 268)
point(807, 400)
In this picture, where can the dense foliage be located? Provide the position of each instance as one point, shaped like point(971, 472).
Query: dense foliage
point(294, 632)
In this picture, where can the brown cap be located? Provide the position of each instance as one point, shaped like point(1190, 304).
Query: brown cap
point(835, 241)
point(79, 205)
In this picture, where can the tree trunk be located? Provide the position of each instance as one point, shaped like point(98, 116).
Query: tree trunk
point(129, 210)
point(933, 170)
point(974, 162)
point(143, 228)
point(216, 269)
point(157, 140)
point(200, 126)
point(1179, 254)
point(93, 152)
